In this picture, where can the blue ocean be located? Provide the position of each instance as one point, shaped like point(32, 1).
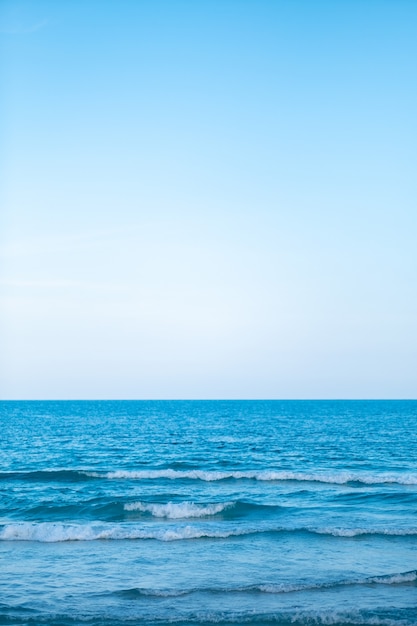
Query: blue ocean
point(208, 512)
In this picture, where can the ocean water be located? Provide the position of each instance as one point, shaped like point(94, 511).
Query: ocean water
point(208, 512)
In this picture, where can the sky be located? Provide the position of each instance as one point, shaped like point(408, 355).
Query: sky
point(208, 199)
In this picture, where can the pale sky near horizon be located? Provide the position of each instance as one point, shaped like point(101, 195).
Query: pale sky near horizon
point(208, 199)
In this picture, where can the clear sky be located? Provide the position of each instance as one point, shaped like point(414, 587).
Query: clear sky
point(208, 199)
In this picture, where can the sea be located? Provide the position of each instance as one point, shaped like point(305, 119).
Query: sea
point(208, 512)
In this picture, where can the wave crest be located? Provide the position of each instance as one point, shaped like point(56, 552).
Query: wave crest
point(50, 532)
point(334, 477)
point(338, 478)
point(178, 510)
point(273, 588)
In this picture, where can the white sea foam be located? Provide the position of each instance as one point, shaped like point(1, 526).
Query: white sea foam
point(50, 532)
point(178, 510)
point(338, 478)
point(395, 579)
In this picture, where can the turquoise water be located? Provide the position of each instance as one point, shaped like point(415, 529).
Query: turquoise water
point(208, 512)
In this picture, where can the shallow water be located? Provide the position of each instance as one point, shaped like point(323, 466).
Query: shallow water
point(202, 512)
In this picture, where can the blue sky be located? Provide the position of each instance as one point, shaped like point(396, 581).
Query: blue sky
point(208, 199)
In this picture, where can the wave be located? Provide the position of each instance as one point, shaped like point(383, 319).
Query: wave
point(297, 617)
point(108, 509)
point(357, 532)
point(335, 477)
point(50, 532)
point(402, 578)
point(382, 495)
point(338, 478)
point(179, 510)
point(49, 475)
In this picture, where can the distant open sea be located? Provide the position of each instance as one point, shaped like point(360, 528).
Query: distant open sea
point(208, 512)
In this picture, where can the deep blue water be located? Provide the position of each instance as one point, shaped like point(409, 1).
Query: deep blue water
point(208, 512)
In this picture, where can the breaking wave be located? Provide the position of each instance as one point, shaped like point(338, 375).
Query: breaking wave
point(337, 478)
point(49, 532)
point(178, 510)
